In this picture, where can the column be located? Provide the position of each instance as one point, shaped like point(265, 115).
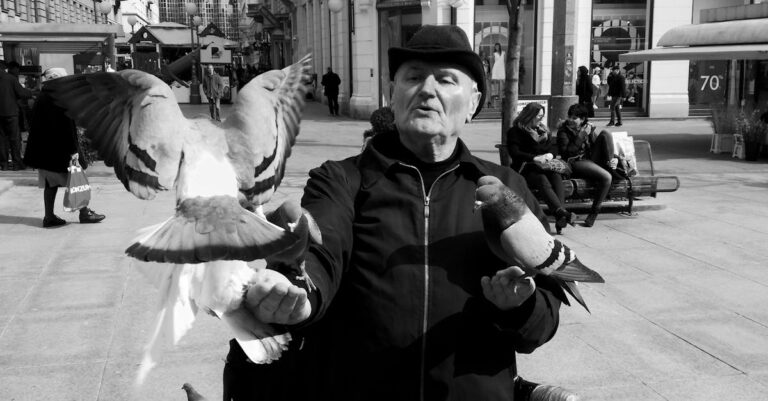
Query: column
point(365, 61)
point(563, 68)
point(668, 96)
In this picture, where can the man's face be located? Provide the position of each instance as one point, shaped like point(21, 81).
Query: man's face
point(434, 98)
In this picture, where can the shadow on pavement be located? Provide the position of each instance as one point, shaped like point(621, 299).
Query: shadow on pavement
point(28, 221)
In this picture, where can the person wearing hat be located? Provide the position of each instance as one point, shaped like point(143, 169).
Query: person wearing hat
point(409, 301)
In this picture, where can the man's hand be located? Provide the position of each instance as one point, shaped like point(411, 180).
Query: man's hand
point(506, 289)
point(274, 299)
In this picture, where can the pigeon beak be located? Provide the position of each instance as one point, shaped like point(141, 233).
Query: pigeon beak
point(478, 205)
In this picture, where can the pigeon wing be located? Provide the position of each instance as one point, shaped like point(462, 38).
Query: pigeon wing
point(263, 128)
point(133, 120)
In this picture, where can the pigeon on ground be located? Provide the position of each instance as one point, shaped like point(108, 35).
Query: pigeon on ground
point(298, 221)
point(219, 171)
point(517, 237)
point(192, 394)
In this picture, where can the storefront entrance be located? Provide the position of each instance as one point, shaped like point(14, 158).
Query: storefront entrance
point(397, 24)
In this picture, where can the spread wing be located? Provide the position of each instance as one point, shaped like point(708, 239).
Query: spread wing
point(263, 128)
point(134, 122)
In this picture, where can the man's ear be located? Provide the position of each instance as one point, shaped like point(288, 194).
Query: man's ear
point(474, 101)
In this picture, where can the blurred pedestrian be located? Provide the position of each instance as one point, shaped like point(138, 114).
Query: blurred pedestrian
point(617, 90)
point(584, 89)
point(51, 147)
point(331, 82)
point(213, 86)
point(11, 92)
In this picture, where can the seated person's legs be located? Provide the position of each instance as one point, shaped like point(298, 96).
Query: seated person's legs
point(601, 178)
point(552, 194)
point(602, 149)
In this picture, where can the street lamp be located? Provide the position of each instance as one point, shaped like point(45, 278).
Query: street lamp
point(132, 20)
point(194, 90)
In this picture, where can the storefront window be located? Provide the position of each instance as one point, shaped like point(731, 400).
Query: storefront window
point(619, 27)
point(492, 28)
point(707, 82)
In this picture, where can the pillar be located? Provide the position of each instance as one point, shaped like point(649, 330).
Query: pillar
point(563, 68)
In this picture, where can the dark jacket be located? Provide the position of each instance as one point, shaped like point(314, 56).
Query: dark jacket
point(617, 85)
point(393, 318)
point(52, 137)
point(331, 82)
point(523, 148)
point(584, 89)
point(573, 142)
point(11, 91)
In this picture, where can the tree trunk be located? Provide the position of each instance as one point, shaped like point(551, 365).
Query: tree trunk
point(512, 73)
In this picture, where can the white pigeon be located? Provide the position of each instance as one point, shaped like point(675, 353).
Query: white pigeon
point(218, 172)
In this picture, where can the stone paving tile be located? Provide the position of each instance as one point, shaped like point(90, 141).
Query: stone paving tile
point(733, 339)
point(74, 381)
point(36, 339)
point(634, 392)
point(715, 388)
point(12, 293)
point(648, 351)
point(203, 370)
point(75, 294)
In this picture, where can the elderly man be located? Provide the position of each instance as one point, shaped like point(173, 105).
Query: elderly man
point(410, 301)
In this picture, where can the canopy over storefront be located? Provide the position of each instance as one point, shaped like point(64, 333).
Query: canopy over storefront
point(729, 40)
point(59, 38)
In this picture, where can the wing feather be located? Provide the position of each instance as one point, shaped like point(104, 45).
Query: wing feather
point(134, 122)
point(263, 128)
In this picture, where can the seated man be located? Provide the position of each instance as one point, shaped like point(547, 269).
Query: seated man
point(410, 301)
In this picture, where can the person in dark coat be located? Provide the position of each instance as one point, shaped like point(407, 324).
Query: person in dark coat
point(530, 144)
point(11, 92)
point(590, 155)
point(51, 146)
point(584, 90)
point(406, 304)
point(331, 82)
point(617, 90)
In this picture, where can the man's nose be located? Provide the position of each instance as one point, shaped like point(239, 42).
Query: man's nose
point(428, 86)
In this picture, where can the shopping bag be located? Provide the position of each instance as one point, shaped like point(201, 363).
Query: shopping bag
point(624, 148)
point(78, 191)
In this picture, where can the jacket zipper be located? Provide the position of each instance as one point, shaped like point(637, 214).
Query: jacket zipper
point(425, 320)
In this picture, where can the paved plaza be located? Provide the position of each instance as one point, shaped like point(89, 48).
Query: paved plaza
point(682, 315)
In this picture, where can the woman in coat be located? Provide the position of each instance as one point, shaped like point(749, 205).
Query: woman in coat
point(589, 154)
point(528, 144)
point(584, 90)
point(51, 145)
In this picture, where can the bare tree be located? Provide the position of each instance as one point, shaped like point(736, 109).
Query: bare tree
point(512, 73)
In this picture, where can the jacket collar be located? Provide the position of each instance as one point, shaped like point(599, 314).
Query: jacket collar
point(373, 164)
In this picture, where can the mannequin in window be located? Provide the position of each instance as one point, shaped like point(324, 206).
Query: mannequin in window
point(498, 72)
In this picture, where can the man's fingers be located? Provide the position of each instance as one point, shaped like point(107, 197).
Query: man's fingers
point(272, 301)
point(288, 302)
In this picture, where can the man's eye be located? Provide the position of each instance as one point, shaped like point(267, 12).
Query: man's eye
point(447, 79)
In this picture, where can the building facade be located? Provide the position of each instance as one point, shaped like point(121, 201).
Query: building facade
point(222, 13)
point(352, 37)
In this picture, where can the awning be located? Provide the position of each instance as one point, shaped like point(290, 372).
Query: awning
point(724, 52)
point(58, 38)
point(729, 40)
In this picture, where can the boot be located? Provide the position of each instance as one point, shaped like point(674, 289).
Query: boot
point(563, 218)
point(590, 220)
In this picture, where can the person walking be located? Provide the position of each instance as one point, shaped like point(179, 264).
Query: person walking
point(11, 92)
point(331, 82)
point(213, 87)
point(597, 81)
point(584, 89)
point(51, 146)
point(410, 302)
point(617, 89)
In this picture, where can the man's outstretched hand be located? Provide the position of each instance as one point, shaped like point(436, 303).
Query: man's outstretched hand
point(506, 289)
point(274, 299)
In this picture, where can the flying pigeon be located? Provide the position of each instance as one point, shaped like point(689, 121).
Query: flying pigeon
point(218, 170)
point(298, 221)
point(516, 236)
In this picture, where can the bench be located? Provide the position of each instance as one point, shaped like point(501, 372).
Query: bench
point(645, 184)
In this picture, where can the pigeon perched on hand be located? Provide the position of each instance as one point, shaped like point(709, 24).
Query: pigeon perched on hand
point(298, 221)
point(192, 394)
point(219, 171)
point(516, 236)
point(135, 123)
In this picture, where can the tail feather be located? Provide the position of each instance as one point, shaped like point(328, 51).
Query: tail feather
point(208, 229)
point(175, 317)
point(576, 271)
point(572, 288)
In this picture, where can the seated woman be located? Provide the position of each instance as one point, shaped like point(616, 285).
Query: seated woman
point(528, 143)
point(590, 156)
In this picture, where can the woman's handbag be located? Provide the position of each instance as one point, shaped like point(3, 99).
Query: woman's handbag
point(556, 165)
point(77, 194)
